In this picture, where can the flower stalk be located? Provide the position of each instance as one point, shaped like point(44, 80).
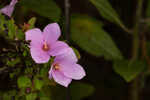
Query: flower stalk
point(135, 50)
point(67, 19)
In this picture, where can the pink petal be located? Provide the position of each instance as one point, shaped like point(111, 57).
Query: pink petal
point(60, 78)
point(35, 35)
point(74, 71)
point(50, 72)
point(8, 10)
point(13, 2)
point(58, 48)
point(51, 33)
point(38, 55)
point(70, 56)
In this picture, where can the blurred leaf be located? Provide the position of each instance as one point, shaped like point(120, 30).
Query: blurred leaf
point(31, 96)
point(24, 81)
point(43, 72)
point(90, 36)
point(38, 84)
point(2, 22)
point(13, 62)
point(55, 90)
point(31, 22)
point(46, 8)
point(12, 28)
point(9, 94)
point(80, 90)
point(7, 97)
point(106, 10)
point(76, 52)
point(129, 69)
point(20, 34)
point(148, 9)
point(148, 48)
point(44, 98)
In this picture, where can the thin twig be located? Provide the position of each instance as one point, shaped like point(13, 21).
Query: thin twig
point(135, 51)
point(67, 32)
point(67, 19)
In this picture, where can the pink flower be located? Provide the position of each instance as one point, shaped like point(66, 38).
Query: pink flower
point(45, 44)
point(8, 10)
point(64, 69)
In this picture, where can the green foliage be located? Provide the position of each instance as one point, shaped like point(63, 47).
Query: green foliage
point(148, 9)
point(76, 52)
point(106, 10)
point(38, 83)
point(24, 81)
point(44, 98)
point(13, 62)
point(20, 34)
point(31, 96)
point(3, 21)
point(31, 22)
point(8, 95)
point(80, 90)
point(12, 28)
point(129, 69)
point(46, 8)
point(90, 36)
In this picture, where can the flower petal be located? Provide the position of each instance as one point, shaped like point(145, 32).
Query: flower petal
point(51, 33)
point(58, 48)
point(60, 78)
point(13, 2)
point(35, 35)
point(38, 55)
point(70, 56)
point(50, 72)
point(8, 10)
point(74, 71)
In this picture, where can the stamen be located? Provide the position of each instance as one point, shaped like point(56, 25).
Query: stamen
point(45, 47)
point(56, 67)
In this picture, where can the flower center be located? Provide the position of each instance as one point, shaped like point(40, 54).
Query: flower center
point(56, 67)
point(45, 47)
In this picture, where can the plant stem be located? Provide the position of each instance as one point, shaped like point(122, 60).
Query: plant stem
point(67, 19)
point(135, 51)
point(136, 30)
point(67, 31)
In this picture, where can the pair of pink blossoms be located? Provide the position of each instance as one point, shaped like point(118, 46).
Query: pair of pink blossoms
point(45, 44)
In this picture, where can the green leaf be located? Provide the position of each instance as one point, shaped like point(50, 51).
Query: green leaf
point(45, 93)
point(20, 34)
point(80, 90)
point(129, 69)
point(148, 9)
point(44, 98)
point(76, 52)
point(31, 22)
point(31, 96)
point(38, 84)
point(3, 21)
point(12, 28)
point(90, 36)
point(45, 8)
point(9, 94)
point(13, 62)
point(24, 81)
point(106, 10)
